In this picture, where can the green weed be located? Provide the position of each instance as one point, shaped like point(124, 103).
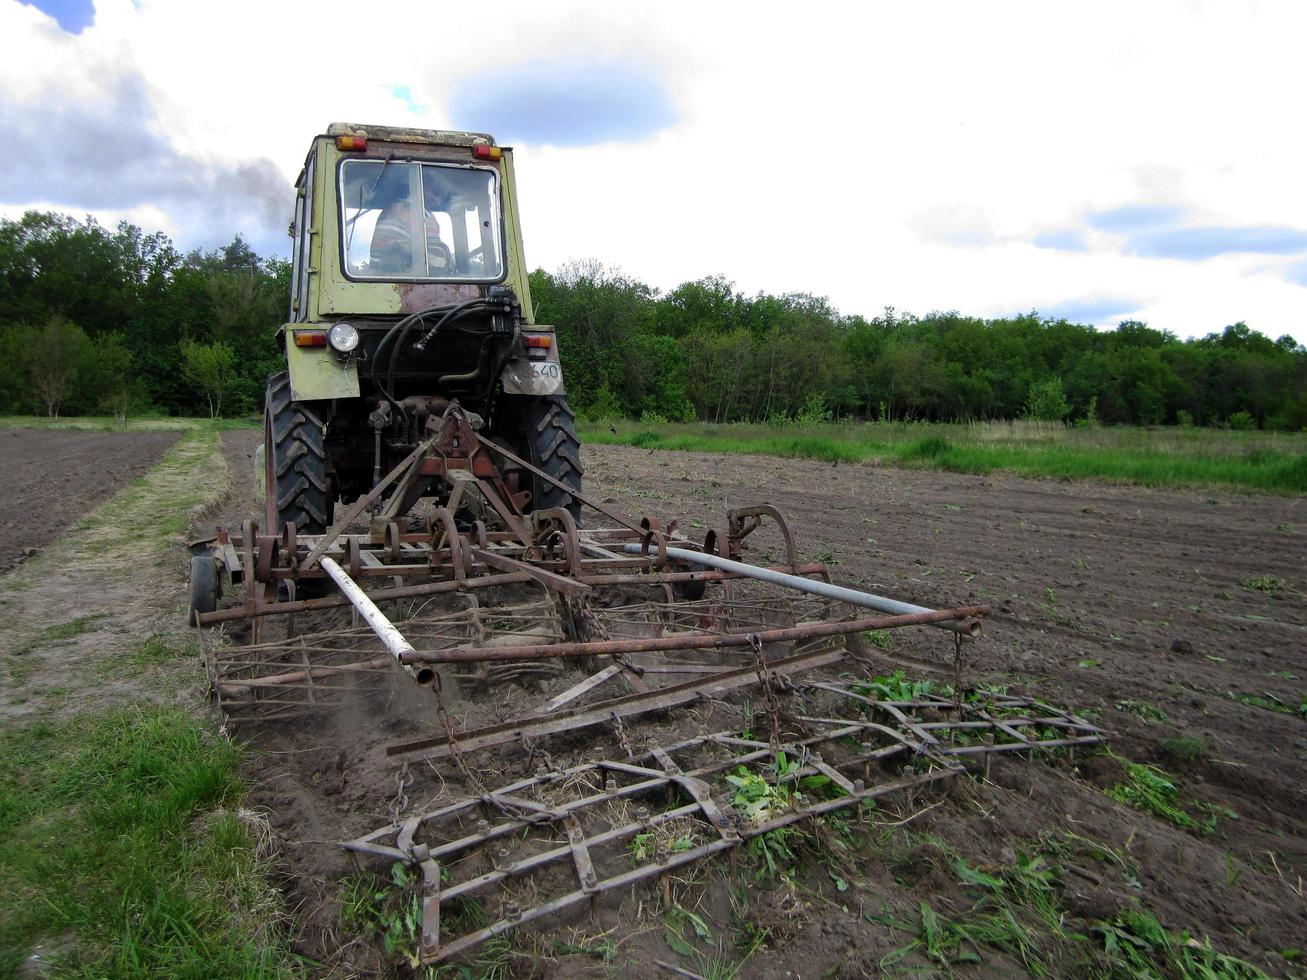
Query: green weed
point(1268, 584)
point(1137, 945)
point(880, 639)
point(1144, 710)
point(895, 687)
point(1152, 790)
point(1184, 748)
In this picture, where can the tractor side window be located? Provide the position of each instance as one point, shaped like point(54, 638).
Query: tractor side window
point(420, 221)
point(301, 259)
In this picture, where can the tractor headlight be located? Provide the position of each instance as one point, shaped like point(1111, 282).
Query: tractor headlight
point(343, 338)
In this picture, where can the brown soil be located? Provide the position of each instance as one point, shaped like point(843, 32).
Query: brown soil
point(49, 478)
point(1121, 603)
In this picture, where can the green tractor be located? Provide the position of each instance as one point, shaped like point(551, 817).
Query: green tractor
point(409, 293)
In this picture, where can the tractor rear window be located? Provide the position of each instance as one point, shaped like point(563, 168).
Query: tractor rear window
point(420, 221)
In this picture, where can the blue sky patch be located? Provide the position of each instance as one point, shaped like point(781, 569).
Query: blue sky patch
point(1297, 273)
point(1064, 240)
point(1092, 309)
point(1205, 243)
point(73, 16)
point(405, 94)
point(564, 104)
point(1133, 217)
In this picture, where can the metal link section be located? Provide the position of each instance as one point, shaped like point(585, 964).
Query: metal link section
point(301, 675)
point(599, 826)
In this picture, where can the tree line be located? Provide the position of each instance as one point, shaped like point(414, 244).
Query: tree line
point(705, 351)
point(96, 320)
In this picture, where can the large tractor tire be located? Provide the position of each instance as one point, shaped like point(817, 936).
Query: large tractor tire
point(549, 430)
point(295, 462)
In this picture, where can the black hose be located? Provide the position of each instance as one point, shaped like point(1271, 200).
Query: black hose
point(376, 357)
point(453, 312)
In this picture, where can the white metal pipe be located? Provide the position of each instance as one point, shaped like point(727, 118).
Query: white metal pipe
point(814, 587)
point(389, 635)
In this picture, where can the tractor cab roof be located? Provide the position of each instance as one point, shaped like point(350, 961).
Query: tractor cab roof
point(398, 134)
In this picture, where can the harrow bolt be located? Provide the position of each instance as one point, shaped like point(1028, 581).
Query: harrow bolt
point(610, 784)
point(642, 814)
point(859, 785)
point(512, 911)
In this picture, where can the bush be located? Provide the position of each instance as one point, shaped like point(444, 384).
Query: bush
point(1242, 422)
point(1184, 419)
point(814, 412)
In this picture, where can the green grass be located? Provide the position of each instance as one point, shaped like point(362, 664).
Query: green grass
point(58, 633)
point(99, 423)
point(1274, 462)
point(123, 851)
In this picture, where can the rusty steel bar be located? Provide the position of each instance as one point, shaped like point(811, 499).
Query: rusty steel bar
point(391, 638)
point(438, 746)
point(965, 615)
point(358, 506)
point(331, 602)
point(853, 597)
point(476, 582)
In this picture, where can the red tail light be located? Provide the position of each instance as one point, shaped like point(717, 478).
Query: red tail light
point(310, 338)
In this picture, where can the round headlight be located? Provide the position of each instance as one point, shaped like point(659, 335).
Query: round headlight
point(343, 338)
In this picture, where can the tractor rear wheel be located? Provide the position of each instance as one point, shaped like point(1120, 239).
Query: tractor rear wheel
point(295, 463)
point(551, 444)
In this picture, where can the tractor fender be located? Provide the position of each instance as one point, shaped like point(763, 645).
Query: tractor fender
point(524, 376)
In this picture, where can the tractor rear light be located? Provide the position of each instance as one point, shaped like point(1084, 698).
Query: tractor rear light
point(536, 340)
point(310, 338)
point(351, 142)
point(484, 151)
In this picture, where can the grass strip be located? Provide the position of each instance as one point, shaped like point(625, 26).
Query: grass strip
point(101, 423)
point(1128, 457)
point(123, 851)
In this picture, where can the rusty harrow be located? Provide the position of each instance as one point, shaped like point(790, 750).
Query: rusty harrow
point(557, 595)
point(562, 837)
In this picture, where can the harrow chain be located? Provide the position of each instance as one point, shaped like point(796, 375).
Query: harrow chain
point(403, 780)
point(770, 703)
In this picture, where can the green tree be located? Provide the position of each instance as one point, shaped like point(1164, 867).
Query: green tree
point(211, 368)
point(58, 355)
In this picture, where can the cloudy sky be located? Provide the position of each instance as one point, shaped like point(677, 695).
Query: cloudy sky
point(1101, 161)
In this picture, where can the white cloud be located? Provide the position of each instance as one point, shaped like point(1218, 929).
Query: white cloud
point(879, 153)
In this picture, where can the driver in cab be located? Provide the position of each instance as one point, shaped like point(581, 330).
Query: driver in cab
point(392, 240)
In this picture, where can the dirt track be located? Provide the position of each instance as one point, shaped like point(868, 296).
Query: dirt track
point(1119, 602)
point(49, 478)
